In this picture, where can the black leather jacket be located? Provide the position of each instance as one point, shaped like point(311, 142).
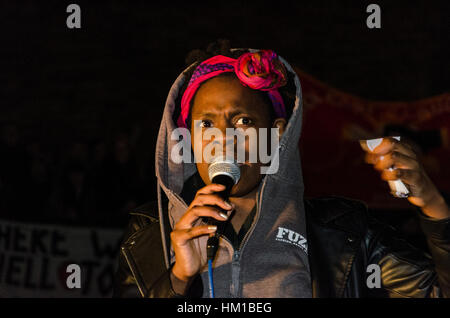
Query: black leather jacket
point(343, 240)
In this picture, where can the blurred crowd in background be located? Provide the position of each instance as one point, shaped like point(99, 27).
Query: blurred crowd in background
point(81, 183)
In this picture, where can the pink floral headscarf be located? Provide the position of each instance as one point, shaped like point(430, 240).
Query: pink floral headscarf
point(261, 70)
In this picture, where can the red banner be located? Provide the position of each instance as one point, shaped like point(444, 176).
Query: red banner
point(334, 121)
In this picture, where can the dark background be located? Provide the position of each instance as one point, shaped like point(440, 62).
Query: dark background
point(80, 108)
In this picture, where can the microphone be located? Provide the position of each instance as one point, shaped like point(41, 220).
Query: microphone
point(225, 172)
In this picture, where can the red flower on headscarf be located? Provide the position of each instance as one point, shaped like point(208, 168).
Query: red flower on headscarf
point(261, 70)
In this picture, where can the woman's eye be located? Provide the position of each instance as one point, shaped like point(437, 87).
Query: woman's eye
point(205, 124)
point(244, 121)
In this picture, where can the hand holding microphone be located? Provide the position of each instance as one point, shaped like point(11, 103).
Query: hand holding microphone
point(224, 172)
point(209, 202)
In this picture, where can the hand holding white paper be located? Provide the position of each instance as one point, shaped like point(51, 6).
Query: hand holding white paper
point(398, 188)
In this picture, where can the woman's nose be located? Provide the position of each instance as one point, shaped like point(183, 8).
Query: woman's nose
point(226, 142)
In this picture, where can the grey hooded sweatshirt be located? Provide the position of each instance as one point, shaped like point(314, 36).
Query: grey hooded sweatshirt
point(272, 259)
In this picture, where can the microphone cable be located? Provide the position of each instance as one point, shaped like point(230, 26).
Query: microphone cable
point(211, 281)
point(211, 249)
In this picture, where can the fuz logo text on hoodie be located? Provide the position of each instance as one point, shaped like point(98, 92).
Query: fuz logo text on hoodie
point(289, 236)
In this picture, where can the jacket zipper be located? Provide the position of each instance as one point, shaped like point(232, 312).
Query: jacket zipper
point(235, 288)
point(132, 267)
point(235, 269)
point(250, 230)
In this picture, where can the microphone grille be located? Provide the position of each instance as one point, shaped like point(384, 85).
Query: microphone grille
point(224, 167)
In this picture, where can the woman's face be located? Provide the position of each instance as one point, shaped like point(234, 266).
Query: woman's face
point(223, 102)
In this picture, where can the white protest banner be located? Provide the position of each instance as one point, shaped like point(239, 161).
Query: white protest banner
point(34, 260)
